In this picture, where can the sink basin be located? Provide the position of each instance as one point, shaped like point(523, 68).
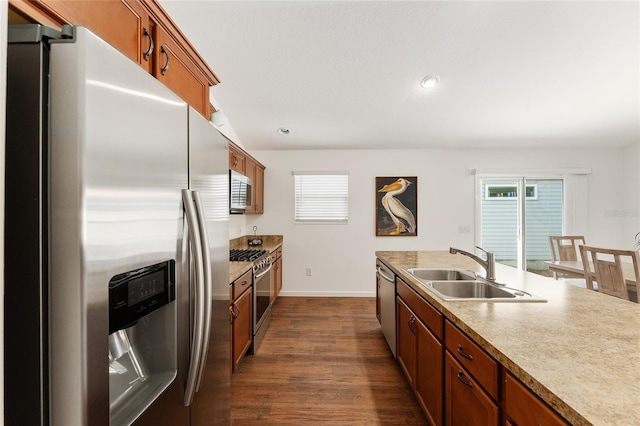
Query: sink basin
point(458, 285)
point(429, 274)
point(480, 291)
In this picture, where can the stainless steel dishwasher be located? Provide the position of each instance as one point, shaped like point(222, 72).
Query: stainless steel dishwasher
point(386, 282)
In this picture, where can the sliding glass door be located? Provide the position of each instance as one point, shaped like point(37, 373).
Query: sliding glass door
point(517, 215)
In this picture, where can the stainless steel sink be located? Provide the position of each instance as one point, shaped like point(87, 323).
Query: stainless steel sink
point(431, 274)
point(460, 285)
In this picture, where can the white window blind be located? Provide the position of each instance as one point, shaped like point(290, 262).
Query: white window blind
point(321, 197)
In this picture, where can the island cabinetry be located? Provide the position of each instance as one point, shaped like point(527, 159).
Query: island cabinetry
point(241, 292)
point(141, 30)
point(471, 381)
point(420, 351)
point(523, 408)
point(466, 404)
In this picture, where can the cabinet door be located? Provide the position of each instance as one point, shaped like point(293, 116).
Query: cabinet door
point(130, 18)
point(241, 327)
point(466, 404)
point(250, 172)
point(523, 408)
point(236, 160)
point(378, 298)
point(278, 275)
point(174, 68)
point(406, 340)
point(273, 276)
point(429, 373)
point(258, 190)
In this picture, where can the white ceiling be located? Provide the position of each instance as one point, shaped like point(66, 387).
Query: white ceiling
point(346, 74)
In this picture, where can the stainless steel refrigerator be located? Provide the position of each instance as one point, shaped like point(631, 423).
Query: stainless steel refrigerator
point(116, 242)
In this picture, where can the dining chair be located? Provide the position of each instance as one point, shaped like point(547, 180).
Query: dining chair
point(565, 247)
point(606, 265)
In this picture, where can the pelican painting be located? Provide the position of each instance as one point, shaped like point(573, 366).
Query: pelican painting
point(399, 203)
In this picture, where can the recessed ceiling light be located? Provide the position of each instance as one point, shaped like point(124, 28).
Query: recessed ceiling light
point(430, 81)
point(284, 131)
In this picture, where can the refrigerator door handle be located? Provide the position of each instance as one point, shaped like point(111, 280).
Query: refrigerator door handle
point(198, 315)
point(206, 284)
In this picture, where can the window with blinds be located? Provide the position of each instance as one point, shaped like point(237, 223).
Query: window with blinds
point(321, 197)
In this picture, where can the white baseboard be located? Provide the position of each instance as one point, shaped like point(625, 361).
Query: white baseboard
point(284, 293)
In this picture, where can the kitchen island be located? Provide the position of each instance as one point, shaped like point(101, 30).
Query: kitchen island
point(579, 351)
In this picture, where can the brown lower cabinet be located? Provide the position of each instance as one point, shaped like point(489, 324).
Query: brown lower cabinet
point(420, 355)
point(240, 312)
point(467, 404)
point(523, 408)
point(278, 273)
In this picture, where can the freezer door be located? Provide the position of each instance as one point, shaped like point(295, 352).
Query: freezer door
point(118, 163)
point(26, 290)
point(209, 176)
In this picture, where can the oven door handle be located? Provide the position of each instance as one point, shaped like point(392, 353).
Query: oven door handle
point(262, 274)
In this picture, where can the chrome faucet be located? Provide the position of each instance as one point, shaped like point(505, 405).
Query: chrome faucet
point(489, 265)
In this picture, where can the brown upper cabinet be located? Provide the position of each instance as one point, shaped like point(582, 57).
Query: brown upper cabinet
point(236, 159)
point(243, 163)
point(142, 31)
point(255, 171)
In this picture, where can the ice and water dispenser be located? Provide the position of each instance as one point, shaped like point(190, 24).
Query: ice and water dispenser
point(142, 339)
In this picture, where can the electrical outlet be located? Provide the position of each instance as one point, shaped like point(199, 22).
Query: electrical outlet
point(308, 272)
point(464, 229)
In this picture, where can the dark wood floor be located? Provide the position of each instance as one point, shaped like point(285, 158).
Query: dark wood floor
point(323, 361)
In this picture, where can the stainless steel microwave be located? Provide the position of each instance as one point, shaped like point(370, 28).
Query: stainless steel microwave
point(239, 192)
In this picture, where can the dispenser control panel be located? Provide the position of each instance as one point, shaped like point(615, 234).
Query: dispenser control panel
point(137, 293)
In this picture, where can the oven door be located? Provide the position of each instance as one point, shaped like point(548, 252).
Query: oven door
point(261, 305)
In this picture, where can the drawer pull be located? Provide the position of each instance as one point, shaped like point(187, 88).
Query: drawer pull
point(245, 282)
point(464, 354)
point(463, 380)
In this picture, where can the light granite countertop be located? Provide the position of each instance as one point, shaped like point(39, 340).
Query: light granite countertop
point(580, 351)
point(269, 243)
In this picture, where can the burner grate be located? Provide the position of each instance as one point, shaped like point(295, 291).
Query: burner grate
point(245, 255)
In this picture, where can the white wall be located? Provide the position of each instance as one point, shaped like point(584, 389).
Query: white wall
point(630, 212)
point(342, 256)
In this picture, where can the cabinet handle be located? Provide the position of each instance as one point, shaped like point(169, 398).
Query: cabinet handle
point(464, 354)
point(164, 69)
point(149, 51)
point(463, 380)
point(412, 321)
point(233, 312)
point(245, 282)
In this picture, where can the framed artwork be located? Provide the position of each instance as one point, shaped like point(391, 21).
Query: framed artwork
point(397, 206)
